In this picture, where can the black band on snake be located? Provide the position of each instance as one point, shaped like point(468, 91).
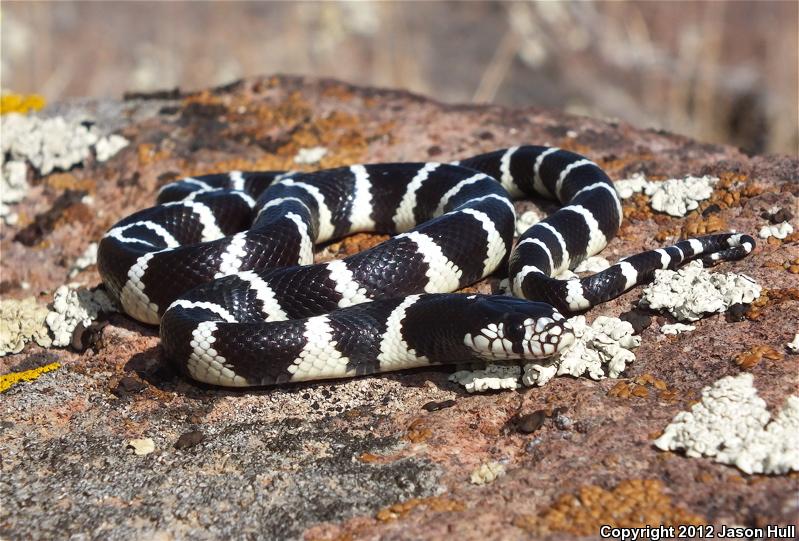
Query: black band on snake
point(225, 264)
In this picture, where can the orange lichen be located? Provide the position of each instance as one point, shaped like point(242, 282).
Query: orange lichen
point(638, 388)
point(637, 208)
point(147, 154)
point(438, 504)
point(68, 181)
point(568, 143)
point(633, 503)
point(354, 244)
point(338, 92)
point(771, 297)
point(418, 431)
point(669, 395)
point(368, 457)
point(732, 188)
point(20, 103)
point(621, 390)
point(617, 164)
point(78, 212)
point(283, 129)
point(754, 355)
point(258, 120)
point(696, 224)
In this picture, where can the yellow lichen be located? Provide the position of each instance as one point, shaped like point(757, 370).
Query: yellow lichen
point(9, 380)
point(19, 103)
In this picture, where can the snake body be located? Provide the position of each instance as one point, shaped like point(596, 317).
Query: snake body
point(225, 264)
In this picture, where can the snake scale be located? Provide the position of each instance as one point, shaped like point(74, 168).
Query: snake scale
point(225, 264)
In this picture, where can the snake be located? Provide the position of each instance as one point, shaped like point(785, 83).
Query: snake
point(225, 264)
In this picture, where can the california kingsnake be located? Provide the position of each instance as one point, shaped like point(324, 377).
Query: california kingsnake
point(216, 261)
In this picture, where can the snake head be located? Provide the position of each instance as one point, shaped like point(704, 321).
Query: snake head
point(511, 328)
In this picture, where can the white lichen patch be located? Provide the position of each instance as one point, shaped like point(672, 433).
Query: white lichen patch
point(142, 446)
point(493, 377)
point(600, 350)
point(310, 156)
point(793, 346)
point(677, 328)
point(566, 274)
point(526, 220)
point(628, 187)
point(675, 196)
point(779, 231)
point(107, 147)
point(21, 322)
point(72, 306)
point(731, 425)
point(85, 260)
point(692, 292)
point(487, 473)
point(595, 263)
point(13, 187)
point(46, 143)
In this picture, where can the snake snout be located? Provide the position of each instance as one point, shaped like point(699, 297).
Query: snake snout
point(519, 329)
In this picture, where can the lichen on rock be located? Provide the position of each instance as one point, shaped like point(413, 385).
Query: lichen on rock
point(46, 143)
point(487, 473)
point(107, 147)
point(13, 378)
point(731, 425)
point(676, 328)
point(85, 260)
point(72, 306)
point(793, 345)
point(526, 220)
point(21, 322)
point(493, 377)
point(602, 349)
point(595, 263)
point(778, 231)
point(674, 196)
point(692, 292)
point(13, 187)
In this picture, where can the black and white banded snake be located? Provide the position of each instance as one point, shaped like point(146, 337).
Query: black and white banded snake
point(225, 263)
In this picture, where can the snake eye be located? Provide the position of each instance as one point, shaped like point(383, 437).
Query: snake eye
point(515, 331)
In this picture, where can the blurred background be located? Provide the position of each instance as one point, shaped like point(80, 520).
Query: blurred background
point(719, 71)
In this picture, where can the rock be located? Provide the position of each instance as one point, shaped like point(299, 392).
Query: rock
point(527, 424)
point(435, 406)
point(331, 456)
point(189, 439)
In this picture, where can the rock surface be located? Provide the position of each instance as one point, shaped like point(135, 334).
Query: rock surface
point(364, 458)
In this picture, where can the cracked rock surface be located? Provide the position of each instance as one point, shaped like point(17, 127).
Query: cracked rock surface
point(364, 458)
